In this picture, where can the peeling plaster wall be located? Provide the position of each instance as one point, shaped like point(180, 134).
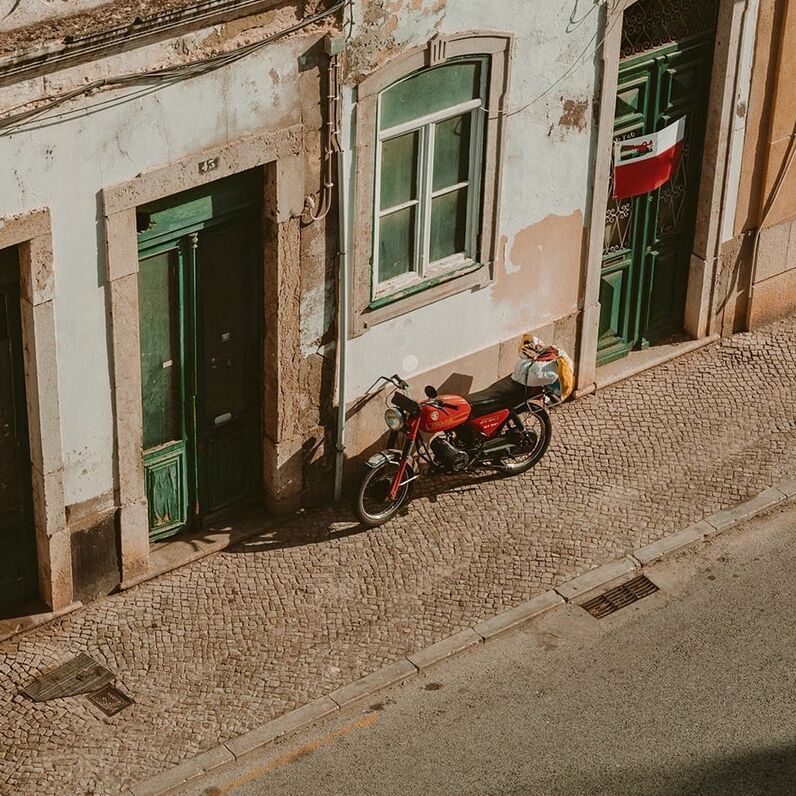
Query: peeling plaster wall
point(109, 139)
point(547, 171)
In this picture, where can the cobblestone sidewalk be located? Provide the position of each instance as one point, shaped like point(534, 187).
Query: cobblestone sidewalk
point(217, 648)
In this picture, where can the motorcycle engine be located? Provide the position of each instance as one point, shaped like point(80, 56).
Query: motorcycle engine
point(448, 455)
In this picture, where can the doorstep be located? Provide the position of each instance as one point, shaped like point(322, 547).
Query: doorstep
point(638, 361)
point(163, 557)
point(215, 536)
point(19, 624)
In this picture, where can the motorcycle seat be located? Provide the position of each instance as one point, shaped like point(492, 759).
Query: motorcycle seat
point(503, 394)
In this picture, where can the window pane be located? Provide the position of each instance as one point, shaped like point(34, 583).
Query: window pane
point(397, 244)
point(158, 302)
point(399, 170)
point(430, 91)
point(452, 152)
point(449, 224)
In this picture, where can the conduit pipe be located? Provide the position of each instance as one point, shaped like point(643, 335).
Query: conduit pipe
point(344, 236)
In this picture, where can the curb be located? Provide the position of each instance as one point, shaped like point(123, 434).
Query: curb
point(507, 621)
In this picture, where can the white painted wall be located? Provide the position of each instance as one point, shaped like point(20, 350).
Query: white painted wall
point(19, 13)
point(65, 165)
point(546, 171)
point(64, 161)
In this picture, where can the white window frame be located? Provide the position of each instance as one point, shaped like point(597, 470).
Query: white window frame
point(426, 271)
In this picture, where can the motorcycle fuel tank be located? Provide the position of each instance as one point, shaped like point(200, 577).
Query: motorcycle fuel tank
point(435, 418)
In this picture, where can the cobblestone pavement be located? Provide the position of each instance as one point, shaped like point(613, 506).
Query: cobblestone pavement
point(214, 649)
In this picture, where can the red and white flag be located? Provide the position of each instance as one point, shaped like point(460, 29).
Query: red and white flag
point(645, 163)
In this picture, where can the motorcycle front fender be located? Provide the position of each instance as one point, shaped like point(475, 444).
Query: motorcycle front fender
point(384, 457)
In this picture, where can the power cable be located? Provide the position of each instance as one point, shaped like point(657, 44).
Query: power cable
point(166, 76)
point(576, 64)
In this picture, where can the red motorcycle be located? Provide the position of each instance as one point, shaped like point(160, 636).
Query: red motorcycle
point(505, 428)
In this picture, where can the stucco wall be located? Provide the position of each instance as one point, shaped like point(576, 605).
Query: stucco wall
point(772, 111)
point(764, 270)
point(112, 137)
point(546, 179)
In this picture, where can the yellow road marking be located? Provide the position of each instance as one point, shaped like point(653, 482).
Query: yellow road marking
point(291, 757)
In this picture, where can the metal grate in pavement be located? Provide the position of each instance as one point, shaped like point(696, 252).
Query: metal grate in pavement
point(81, 675)
point(620, 596)
point(110, 700)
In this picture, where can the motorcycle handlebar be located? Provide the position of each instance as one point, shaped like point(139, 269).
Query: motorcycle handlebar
point(397, 381)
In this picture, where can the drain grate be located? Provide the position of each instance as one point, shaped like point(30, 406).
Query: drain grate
point(81, 675)
point(621, 596)
point(110, 700)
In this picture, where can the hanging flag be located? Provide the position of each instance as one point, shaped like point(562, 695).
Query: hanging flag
point(645, 163)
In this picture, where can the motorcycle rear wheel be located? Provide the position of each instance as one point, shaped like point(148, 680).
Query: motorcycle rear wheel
point(534, 421)
point(372, 503)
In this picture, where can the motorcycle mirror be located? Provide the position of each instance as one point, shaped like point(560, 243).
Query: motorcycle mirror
point(431, 392)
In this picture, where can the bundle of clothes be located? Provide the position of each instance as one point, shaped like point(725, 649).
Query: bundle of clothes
point(542, 365)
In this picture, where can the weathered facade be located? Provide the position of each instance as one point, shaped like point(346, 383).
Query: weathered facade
point(221, 220)
point(163, 262)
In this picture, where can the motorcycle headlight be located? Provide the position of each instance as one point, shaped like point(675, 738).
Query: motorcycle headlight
point(394, 419)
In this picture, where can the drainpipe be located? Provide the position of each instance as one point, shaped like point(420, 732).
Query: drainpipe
point(344, 234)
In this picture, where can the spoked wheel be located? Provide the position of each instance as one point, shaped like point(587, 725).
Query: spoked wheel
point(530, 430)
point(372, 503)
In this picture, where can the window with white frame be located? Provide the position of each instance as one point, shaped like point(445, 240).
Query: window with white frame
point(429, 158)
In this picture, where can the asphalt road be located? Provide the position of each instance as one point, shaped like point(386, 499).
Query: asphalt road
point(689, 691)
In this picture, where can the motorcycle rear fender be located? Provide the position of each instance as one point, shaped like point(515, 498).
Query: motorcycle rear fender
point(536, 407)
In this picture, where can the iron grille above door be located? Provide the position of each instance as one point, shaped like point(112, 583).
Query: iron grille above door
point(650, 24)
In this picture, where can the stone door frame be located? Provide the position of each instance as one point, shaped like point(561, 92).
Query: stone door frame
point(700, 316)
point(280, 154)
point(31, 233)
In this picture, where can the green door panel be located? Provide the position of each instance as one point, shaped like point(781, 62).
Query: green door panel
point(160, 302)
point(613, 316)
point(229, 468)
point(161, 356)
point(200, 300)
point(665, 291)
point(18, 578)
point(167, 489)
point(648, 239)
point(229, 363)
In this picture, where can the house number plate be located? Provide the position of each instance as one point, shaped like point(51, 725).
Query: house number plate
point(211, 164)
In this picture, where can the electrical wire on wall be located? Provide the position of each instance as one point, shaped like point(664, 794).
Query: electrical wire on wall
point(576, 64)
point(317, 209)
point(152, 79)
point(331, 146)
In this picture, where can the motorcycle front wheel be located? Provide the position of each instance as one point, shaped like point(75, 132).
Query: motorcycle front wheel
point(372, 503)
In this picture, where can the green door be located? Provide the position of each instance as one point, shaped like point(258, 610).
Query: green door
point(18, 580)
point(649, 238)
point(200, 303)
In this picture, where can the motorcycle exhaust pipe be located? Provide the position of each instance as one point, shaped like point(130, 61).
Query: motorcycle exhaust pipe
point(490, 449)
